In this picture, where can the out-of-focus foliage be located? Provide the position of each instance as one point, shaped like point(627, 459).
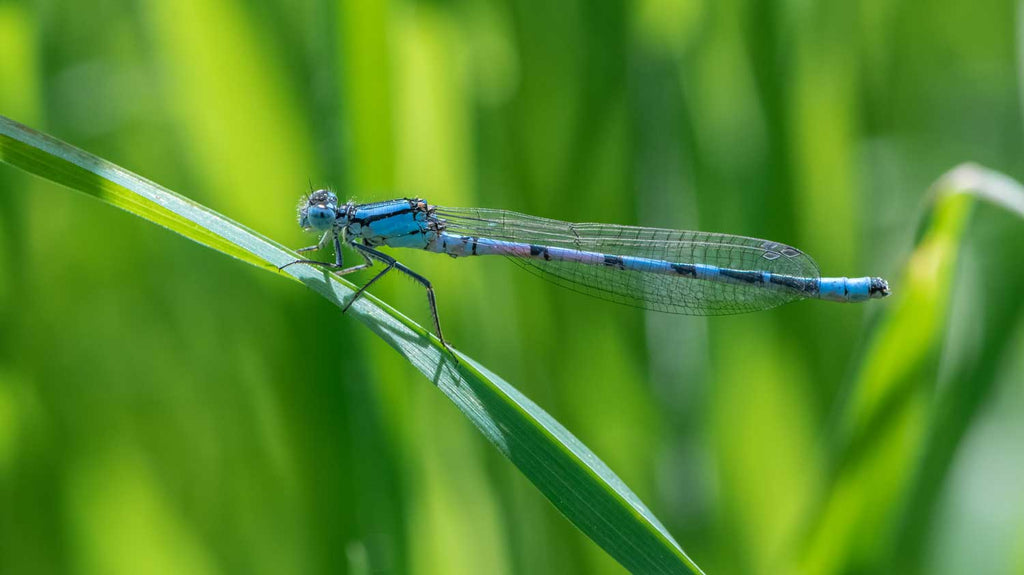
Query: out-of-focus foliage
point(174, 421)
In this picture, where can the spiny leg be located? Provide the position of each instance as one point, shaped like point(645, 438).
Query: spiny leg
point(331, 266)
point(369, 254)
point(430, 299)
point(319, 245)
point(359, 292)
point(338, 257)
point(393, 263)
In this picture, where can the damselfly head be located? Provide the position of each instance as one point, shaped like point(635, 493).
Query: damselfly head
point(318, 211)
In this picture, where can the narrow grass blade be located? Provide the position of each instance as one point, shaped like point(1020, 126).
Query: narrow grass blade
point(570, 475)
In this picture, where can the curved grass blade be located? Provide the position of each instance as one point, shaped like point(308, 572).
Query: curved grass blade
point(899, 429)
point(579, 484)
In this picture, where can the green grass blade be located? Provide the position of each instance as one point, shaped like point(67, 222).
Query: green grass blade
point(899, 429)
point(968, 381)
point(582, 487)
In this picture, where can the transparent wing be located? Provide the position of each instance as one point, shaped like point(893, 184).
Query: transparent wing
point(661, 292)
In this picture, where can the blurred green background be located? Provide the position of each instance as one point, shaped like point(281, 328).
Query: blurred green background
point(164, 409)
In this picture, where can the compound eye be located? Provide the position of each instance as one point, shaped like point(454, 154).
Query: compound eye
point(321, 213)
point(319, 218)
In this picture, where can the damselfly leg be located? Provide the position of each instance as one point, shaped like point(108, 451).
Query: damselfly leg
point(369, 254)
point(391, 264)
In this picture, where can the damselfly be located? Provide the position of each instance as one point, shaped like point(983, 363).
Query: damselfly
point(684, 272)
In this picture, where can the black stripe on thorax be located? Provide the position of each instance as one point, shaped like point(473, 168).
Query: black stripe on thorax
point(378, 217)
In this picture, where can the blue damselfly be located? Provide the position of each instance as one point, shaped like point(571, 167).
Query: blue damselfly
point(684, 272)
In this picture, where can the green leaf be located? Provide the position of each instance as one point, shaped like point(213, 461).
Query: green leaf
point(579, 484)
